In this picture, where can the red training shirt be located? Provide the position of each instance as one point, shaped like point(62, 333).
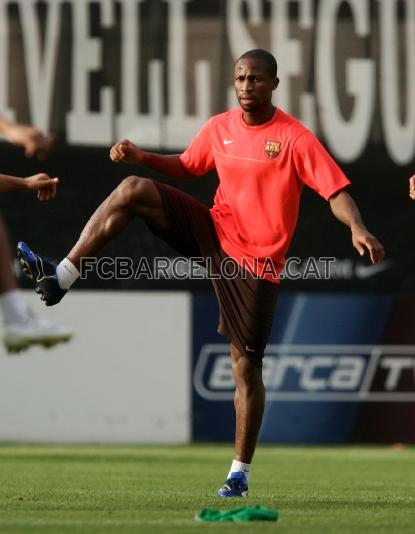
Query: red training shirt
point(262, 170)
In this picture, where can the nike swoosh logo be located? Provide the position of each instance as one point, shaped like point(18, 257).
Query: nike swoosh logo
point(228, 141)
point(367, 271)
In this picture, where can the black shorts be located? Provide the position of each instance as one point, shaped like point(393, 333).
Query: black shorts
point(246, 303)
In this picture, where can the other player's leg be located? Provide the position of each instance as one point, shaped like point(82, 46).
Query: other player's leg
point(21, 328)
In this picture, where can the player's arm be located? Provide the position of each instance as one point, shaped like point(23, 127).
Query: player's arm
point(44, 184)
point(412, 187)
point(12, 183)
point(34, 142)
point(345, 210)
point(126, 152)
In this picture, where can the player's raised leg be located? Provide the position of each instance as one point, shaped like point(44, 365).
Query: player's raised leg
point(249, 407)
point(134, 197)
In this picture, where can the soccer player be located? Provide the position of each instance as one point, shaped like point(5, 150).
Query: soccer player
point(263, 158)
point(412, 187)
point(21, 328)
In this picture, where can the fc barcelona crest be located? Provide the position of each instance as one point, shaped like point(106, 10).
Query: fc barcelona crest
point(272, 149)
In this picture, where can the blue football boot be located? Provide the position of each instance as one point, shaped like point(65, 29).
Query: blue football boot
point(235, 486)
point(42, 271)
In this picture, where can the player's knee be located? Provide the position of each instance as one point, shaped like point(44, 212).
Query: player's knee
point(247, 375)
point(134, 190)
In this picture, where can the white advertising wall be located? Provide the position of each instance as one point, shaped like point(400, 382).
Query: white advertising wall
point(125, 377)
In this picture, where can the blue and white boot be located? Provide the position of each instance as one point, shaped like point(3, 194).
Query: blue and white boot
point(235, 486)
point(42, 271)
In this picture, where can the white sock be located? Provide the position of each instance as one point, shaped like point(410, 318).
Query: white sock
point(13, 308)
point(67, 273)
point(240, 466)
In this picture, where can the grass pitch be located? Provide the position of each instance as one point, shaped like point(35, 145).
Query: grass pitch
point(159, 489)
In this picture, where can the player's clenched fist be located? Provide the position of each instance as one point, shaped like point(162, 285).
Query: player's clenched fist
point(45, 185)
point(412, 187)
point(126, 152)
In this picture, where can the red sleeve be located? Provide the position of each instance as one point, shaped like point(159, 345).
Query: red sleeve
point(198, 156)
point(316, 168)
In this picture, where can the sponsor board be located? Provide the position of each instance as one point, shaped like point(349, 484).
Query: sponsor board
point(343, 373)
point(153, 72)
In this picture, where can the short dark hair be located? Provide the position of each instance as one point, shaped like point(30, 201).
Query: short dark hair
point(263, 55)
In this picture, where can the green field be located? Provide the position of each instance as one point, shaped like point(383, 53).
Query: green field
point(158, 489)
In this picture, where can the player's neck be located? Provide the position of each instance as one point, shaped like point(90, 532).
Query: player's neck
point(258, 116)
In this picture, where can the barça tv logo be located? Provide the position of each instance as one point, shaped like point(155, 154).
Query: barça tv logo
point(272, 149)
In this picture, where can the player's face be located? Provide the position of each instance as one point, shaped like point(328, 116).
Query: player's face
point(253, 84)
